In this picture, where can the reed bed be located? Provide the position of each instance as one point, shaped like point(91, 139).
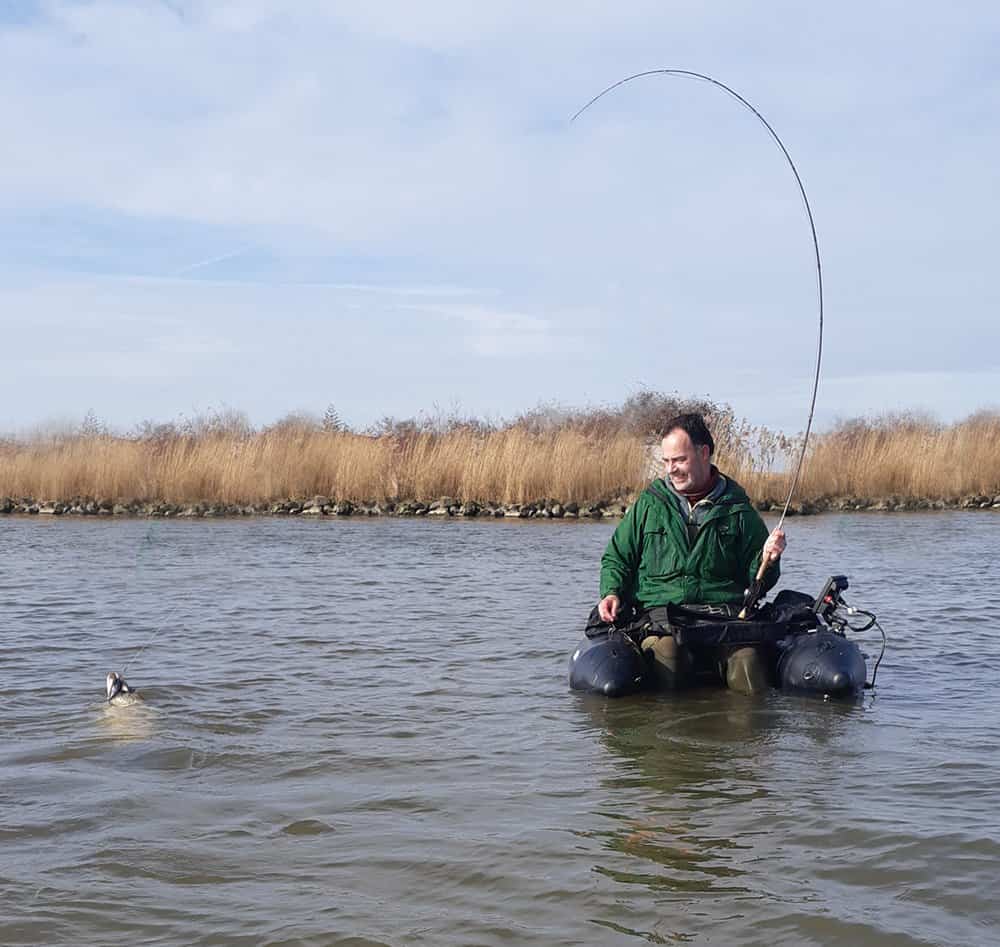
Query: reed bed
point(906, 456)
point(569, 457)
point(505, 466)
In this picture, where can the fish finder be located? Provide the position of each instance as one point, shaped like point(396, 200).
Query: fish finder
point(829, 598)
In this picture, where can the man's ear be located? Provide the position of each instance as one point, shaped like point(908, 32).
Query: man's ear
point(705, 452)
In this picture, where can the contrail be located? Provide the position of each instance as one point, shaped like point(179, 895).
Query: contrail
point(211, 260)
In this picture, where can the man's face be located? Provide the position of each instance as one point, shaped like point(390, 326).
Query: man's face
point(687, 466)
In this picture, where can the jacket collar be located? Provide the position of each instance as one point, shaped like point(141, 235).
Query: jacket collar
point(720, 488)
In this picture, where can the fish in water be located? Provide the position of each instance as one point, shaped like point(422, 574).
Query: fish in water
point(119, 693)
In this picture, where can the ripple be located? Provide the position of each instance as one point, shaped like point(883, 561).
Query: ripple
point(307, 827)
point(454, 789)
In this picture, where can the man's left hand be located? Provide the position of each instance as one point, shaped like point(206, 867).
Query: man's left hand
point(775, 545)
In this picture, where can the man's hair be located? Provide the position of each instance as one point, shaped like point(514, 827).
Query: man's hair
point(695, 427)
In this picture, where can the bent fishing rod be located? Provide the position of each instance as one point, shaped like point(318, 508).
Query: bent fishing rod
point(756, 587)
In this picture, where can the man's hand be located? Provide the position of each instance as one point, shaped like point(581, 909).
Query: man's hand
point(608, 607)
point(774, 546)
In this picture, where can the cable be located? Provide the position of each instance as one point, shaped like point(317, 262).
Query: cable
point(871, 686)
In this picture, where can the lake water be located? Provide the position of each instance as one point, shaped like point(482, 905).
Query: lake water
point(359, 733)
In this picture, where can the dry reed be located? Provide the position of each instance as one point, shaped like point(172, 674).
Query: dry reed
point(907, 456)
point(508, 466)
point(566, 458)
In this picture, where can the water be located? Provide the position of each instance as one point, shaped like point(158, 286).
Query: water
point(359, 732)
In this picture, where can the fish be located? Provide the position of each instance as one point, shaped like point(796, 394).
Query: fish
point(119, 693)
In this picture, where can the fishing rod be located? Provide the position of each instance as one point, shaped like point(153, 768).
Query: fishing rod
point(756, 587)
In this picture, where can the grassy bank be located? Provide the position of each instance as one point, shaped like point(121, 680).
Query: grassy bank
point(577, 457)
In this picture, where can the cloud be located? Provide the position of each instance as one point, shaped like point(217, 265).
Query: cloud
point(366, 160)
point(496, 333)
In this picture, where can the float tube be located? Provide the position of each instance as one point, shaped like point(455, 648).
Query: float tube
point(806, 636)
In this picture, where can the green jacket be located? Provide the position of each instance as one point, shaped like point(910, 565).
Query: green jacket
point(651, 560)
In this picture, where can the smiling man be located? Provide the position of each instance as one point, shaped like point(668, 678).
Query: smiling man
point(692, 538)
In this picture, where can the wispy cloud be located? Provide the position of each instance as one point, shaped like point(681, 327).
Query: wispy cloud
point(495, 332)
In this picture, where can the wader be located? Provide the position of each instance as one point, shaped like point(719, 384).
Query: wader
point(745, 669)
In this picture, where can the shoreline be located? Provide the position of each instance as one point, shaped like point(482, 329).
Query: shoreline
point(450, 507)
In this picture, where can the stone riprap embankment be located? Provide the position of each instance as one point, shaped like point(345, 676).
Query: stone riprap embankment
point(316, 506)
point(890, 504)
point(448, 506)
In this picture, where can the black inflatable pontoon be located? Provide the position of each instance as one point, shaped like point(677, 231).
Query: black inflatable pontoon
point(804, 636)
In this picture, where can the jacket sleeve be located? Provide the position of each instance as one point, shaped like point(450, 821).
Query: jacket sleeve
point(620, 562)
point(755, 533)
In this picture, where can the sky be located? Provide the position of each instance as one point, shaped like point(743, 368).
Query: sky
point(384, 207)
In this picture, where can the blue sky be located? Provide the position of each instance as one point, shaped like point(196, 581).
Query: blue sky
point(275, 207)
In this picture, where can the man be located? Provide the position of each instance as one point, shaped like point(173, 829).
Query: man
point(693, 539)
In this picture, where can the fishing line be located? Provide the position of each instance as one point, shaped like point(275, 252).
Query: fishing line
point(701, 77)
point(146, 543)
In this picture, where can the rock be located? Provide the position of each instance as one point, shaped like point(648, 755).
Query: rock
point(119, 509)
point(343, 508)
point(570, 515)
point(557, 511)
point(47, 509)
point(572, 507)
point(312, 510)
point(436, 509)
